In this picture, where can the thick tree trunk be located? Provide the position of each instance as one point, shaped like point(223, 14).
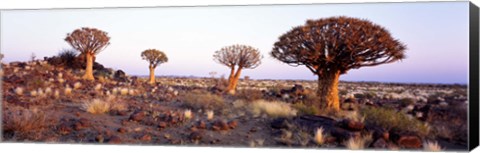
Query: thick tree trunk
point(152, 75)
point(89, 68)
point(235, 81)
point(230, 78)
point(328, 90)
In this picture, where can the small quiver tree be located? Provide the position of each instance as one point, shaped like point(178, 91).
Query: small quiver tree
point(330, 47)
point(154, 58)
point(89, 42)
point(237, 57)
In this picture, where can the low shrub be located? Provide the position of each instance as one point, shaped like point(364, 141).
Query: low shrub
point(392, 120)
point(25, 120)
point(319, 136)
point(97, 106)
point(304, 109)
point(406, 101)
point(273, 108)
point(358, 143)
point(249, 95)
point(431, 146)
point(202, 100)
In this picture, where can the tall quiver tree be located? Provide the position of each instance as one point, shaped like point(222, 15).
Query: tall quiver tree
point(90, 42)
point(330, 47)
point(237, 57)
point(154, 58)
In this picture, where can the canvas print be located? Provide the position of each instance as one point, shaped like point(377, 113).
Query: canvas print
point(382, 76)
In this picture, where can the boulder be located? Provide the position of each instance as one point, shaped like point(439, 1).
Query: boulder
point(119, 75)
point(352, 125)
point(409, 142)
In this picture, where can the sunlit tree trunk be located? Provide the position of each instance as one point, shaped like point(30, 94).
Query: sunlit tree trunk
point(328, 90)
point(230, 78)
point(152, 75)
point(235, 81)
point(89, 68)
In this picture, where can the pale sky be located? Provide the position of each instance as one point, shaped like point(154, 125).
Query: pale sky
point(436, 35)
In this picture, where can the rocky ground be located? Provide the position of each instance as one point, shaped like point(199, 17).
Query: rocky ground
point(46, 103)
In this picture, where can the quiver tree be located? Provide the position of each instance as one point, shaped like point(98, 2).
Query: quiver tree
point(237, 57)
point(330, 47)
point(154, 58)
point(90, 42)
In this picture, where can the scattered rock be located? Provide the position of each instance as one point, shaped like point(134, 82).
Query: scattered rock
point(330, 139)
point(99, 138)
point(253, 129)
point(352, 125)
point(137, 117)
point(124, 122)
point(220, 125)
point(82, 123)
point(64, 129)
point(201, 125)
point(122, 130)
point(122, 113)
point(146, 137)
point(115, 140)
point(409, 142)
point(162, 124)
point(232, 124)
point(196, 136)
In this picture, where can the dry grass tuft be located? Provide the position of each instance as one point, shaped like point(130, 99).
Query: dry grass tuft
point(131, 92)
point(48, 90)
point(273, 108)
point(319, 136)
point(114, 91)
point(19, 91)
point(25, 121)
point(68, 90)
point(77, 85)
point(56, 94)
point(97, 106)
point(188, 114)
point(33, 93)
point(124, 91)
point(210, 115)
point(358, 143)
point(432, 146)
point(98, 87)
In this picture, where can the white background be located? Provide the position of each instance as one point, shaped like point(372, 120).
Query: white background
point(82, 148)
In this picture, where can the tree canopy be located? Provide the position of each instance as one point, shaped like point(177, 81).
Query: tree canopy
point(337, 43)
point(88, 40)
point(154, 57)
point(238, 55)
